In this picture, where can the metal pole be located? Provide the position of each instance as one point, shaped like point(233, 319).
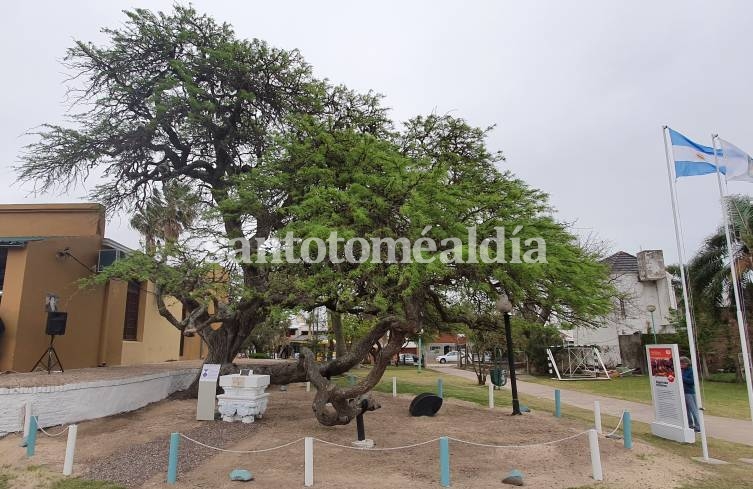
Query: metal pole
point(444, 461)
point(627, 430)
point(511, 366)
point(735, 285)
point(419, 352)
point(31, 440)
point(653, 326)
point(440, 387)
point(688, 316)
point(360, 428)
point(557, 404)
point(172, 458)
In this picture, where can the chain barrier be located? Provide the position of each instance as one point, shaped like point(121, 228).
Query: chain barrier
point(54, 434)
point(240, 451)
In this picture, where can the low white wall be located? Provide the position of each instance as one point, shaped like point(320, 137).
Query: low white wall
point(71, 403)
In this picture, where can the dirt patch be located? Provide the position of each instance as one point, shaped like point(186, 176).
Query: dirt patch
point(132, 448)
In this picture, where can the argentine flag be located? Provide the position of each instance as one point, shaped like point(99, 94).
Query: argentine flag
point(691, 158)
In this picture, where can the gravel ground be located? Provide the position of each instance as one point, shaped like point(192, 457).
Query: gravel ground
point(133, 465)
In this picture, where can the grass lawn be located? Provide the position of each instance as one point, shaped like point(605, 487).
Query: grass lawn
point(733, 476)
point(720, 398)
point(40, 477)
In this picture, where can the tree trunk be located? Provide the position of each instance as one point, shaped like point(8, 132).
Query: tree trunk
point(221, 351)
point(337, 329)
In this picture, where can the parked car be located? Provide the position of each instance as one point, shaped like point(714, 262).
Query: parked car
point(452, 356)
point(487, 357)
point(407, 359)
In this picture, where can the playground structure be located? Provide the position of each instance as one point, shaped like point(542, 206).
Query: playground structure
point(577, 363)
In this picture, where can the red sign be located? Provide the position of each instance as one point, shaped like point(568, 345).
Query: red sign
point(662, 364)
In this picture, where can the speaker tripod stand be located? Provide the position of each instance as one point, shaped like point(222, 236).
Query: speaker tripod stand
point(49, 359)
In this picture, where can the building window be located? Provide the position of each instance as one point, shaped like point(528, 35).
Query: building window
point(183, 316)
point(3, 260)
point(131, 322)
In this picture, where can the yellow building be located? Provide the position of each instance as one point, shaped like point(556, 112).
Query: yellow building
point(44, 250)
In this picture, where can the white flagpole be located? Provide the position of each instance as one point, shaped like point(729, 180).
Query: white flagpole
point(688, 317)
point(735, 284)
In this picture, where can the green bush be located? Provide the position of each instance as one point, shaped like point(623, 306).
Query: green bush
point(728, 377)
point(259, 355)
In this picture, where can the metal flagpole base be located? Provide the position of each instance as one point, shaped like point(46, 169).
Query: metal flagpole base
point(710, 461)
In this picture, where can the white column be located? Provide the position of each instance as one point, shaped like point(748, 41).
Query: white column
point(27, 418)
point(593, 445)
point(597, 417)
point(491, 395)
point(394, 386)
point(70, 448)
point(308, 461)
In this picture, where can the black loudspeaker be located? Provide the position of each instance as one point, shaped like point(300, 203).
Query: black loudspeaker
point(56, 323)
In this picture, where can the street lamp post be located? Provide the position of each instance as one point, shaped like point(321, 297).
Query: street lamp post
point(420, 349)
point(504, 306)
point(651, 308)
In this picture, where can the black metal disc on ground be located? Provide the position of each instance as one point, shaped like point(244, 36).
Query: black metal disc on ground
point(426, 404)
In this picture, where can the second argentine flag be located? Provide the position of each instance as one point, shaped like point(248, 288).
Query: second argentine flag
point(691, 158)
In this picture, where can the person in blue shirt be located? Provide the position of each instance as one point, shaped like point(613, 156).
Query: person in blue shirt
point(688, 384)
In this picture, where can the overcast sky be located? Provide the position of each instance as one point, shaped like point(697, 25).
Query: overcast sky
point(578, 90)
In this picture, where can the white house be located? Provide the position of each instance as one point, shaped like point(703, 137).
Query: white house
point(646, 299)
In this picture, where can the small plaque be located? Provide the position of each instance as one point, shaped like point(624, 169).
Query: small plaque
point(210, 372)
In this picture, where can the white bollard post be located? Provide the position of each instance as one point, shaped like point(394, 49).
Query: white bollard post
point(308, 386)
point(491, 395)
point(593, 445)
point(394, 386)
point(597, 416)
point(70, 448)
point(308, 461)
point(27, 418)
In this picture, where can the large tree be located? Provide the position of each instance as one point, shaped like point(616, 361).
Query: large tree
point(177, 99)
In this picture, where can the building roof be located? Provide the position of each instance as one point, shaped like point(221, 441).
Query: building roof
point(111, 243)
point(17, 242)
point(450, 338)
point(54, 207)
point(304, 338)
point(622, 262)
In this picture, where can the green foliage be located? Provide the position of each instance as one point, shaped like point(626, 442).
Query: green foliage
point(534, 338)
point(216, 138)
point(77, 483)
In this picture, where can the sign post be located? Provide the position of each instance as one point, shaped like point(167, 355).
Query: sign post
point(210, 372)
point(670, 418)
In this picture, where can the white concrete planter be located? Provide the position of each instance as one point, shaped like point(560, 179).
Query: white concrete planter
point(244, 398)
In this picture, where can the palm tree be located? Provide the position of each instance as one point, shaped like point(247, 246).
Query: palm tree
point(165, 214)
point(709, 270)
point(709, 273)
